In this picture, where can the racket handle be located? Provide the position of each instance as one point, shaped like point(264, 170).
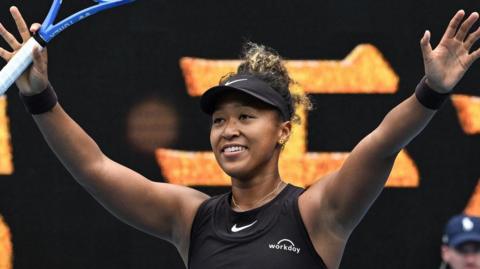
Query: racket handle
point(15, 67)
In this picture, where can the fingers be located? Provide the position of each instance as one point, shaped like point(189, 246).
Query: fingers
point(6, 55)
point(471, 39)
point(453, 25)
point(20, 22)
point(465, 27)
point(425, 45)
point(475, 55)
point(34, 28)
point(40, 60)
point(11, 40)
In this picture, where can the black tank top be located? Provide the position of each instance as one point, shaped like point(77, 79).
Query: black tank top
point(272, 236)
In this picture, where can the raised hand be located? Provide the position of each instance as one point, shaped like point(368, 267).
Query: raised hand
point(35, 78)
point(447, 63)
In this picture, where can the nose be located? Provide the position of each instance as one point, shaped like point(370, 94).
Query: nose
point(230, 129)
point(471, 259)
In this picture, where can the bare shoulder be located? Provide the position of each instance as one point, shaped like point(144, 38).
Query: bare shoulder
point(319, 223)
point(185, 201)
point(181, 192)
point(312, 204)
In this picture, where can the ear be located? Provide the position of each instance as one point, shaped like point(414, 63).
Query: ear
point(445, 251)
point(285, 131)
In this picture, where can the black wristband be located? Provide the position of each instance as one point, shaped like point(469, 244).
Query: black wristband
point(428, 97)
point(40, 103)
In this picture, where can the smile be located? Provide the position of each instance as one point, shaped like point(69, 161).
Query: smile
point(232, 149)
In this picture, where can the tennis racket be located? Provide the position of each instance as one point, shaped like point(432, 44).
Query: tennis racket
point(23, 58)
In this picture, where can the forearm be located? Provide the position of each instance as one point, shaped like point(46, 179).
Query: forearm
point(75, 149)
point(401, 125)
point(352, 190)
point(151, 207)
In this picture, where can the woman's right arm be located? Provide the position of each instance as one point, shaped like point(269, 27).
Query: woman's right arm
point(161, 209)
point(164, 210)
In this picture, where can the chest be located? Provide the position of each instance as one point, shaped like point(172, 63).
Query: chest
point(282, 243)
point(277, 250)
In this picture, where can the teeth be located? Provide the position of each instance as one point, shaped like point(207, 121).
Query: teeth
point(234, 149)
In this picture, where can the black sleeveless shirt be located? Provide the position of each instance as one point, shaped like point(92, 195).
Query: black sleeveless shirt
point(272, 236)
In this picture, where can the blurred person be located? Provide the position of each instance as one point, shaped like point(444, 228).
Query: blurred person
point(461, 243)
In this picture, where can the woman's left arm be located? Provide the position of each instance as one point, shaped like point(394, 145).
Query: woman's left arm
point(344, 197)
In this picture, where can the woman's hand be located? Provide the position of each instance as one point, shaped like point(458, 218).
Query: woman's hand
point(448, 62)
point(35, 78)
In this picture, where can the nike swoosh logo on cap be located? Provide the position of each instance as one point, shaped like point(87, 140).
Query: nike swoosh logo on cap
point(234, 81)
point(236, 229)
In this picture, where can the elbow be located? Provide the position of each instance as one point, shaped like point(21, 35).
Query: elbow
point(88, 173)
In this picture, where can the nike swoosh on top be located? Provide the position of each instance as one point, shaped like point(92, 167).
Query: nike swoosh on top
point(233, 81)
point(236, 229)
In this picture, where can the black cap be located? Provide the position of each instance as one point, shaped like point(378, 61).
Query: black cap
point(250, 85)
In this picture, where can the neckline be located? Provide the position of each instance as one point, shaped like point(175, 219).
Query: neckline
point(224, 215)
point(256, 209)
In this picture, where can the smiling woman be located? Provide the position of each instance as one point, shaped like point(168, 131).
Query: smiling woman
point(5, 246)
point(262, 222)
point(252, 113)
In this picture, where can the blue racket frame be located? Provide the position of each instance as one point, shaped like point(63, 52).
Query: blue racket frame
point(49, 30)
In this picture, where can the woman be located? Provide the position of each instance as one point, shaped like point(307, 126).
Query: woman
point(263, 222)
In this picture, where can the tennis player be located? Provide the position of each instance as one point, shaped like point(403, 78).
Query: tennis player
point(263, 222)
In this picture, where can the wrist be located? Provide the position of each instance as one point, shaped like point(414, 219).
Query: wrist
point(32, 93)
point(40, 102)
point(436, 88)
point(33, 87)
point(429, 97)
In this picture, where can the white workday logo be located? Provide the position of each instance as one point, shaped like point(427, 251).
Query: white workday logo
point(286, 245)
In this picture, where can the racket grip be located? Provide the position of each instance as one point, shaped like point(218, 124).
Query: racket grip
point(15, 67)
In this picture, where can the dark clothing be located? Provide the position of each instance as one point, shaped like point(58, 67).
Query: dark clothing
point(272, 236)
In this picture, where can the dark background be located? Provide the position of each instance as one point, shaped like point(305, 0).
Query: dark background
point(104, 65)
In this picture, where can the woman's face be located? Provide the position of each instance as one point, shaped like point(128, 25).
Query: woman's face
point(245, 134)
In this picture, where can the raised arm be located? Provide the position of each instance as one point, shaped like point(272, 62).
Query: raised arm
point(164, 210)
point(335, 205)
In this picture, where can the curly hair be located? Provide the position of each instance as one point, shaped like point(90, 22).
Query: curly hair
point(266, 64)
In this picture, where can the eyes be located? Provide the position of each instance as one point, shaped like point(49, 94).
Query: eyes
point(217, 120)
